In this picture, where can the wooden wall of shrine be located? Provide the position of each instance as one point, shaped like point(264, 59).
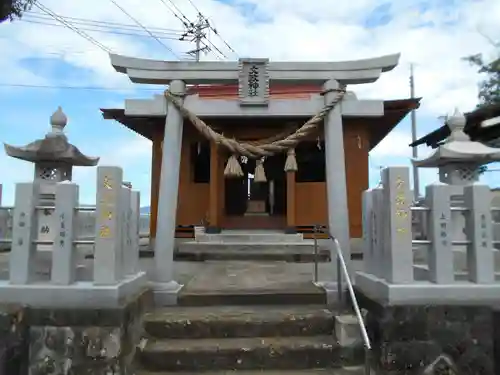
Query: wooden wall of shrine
point(308, 206)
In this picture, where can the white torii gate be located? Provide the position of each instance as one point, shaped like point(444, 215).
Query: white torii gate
point(254, 100)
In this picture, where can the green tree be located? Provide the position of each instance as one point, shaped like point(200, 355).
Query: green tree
point(10, 9)
point(489, 87)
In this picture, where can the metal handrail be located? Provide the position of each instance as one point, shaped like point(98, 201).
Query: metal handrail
point(342, 266)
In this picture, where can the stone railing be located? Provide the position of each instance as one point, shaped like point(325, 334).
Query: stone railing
point(115, 240)
point(84, 225)
point(390, 245)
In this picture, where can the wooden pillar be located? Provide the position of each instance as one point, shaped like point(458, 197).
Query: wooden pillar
point(290, 202)
point(214, 196)
point(155, 187)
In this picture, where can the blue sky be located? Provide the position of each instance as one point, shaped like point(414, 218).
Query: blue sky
point(433, 35)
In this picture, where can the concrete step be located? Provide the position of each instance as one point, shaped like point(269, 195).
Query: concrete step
point(201, 254)
point(346, 370)
point(236, 237)
point(239, 321)
point(304, 352)
point(304, 247)
point(300, 294)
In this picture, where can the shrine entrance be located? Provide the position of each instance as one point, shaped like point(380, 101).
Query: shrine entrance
point(251, 204)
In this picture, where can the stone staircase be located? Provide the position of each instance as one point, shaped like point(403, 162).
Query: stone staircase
point(265, 337)
point(265, 245)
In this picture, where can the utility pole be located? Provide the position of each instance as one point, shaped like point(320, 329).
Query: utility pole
point(197, 33)
point(416, 180)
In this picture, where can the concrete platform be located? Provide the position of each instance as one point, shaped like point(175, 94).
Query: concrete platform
point(305, 247)
point(242, 283)
point(236, 241)
point(254, 236)
point(460, 293)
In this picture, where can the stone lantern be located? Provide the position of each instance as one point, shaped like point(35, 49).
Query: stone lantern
point(459, 161)
point(54, 158)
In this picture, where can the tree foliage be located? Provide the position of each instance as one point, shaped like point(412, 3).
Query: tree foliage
point(489, 87)
point(11, 9)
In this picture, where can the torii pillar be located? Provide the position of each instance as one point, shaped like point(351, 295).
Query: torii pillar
point(254, 77)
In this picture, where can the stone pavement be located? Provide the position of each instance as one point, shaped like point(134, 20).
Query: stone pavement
point(213, 274)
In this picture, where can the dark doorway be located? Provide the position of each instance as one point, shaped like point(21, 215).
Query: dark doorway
point(255, 201)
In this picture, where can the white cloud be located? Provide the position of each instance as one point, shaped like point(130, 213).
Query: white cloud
point(395, 144)
point(435, 41)
point(294, 30)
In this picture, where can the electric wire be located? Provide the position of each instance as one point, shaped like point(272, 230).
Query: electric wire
point(83, 34)
point(63, 87)
point(116, 32)
point(185, 22)
point(221, 38)
point(194, 6)
point(178, 10)
point(110, 24)
point(144, 28)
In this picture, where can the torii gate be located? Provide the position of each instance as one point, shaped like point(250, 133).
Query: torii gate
point(254, 100)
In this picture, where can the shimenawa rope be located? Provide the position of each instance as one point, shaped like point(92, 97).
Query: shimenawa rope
point(259, 149)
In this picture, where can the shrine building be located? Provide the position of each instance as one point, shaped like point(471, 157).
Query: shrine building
point(292, 200)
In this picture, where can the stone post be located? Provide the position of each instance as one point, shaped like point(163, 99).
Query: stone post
point(64, 251)
point(126, 239)
point(377, 235)
point(167, 288)
point(24, 231)
point(480, 259)
point(108, 258)
point(398, 254)
point(367, 222)
point(135, 207)
point(5, 219)
point(441, 260)
point(336, 189)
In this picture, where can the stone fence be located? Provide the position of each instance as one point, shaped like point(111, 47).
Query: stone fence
point(458, 219)
point(84, 226)
point(114, 236)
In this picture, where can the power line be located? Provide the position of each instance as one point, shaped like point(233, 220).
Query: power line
point(177, 8)
point(216, 48)
point(83, 34)
point(196, 29)
point(114, 25)
point(145, 29)
point(222, 39)
point(100, 31)
point(194, 6)
point(21, 85)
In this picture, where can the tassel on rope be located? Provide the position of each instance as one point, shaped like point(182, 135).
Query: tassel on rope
point(260, 173)
point(233, 168)
point(291, 161)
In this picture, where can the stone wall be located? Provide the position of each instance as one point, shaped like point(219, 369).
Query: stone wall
point(406, 339)
point(14, 335)
point(72, 341)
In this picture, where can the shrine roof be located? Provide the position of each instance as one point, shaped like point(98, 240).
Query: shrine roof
point(472, 128)
point(379, 127)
